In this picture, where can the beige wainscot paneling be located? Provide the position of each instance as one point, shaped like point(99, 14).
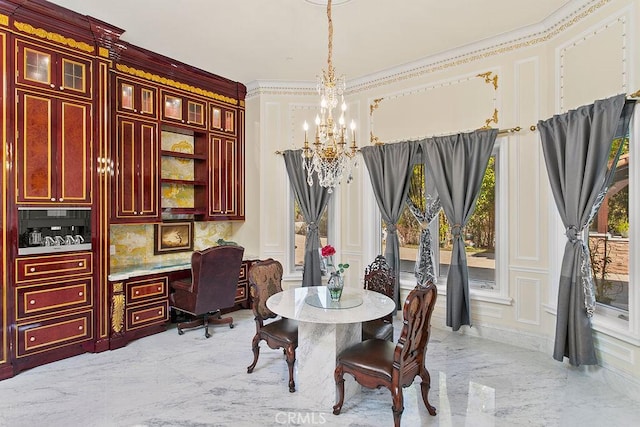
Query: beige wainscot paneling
point(440, 107)
point(595, 63)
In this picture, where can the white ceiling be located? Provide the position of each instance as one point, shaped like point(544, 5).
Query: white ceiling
point(286, 40)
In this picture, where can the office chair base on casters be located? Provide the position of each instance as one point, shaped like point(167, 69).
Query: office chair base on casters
point(212, 318)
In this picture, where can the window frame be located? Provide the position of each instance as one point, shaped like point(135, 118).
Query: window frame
point(500, 295)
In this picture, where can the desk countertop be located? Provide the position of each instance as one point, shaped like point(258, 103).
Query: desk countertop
point(291, 304)
point(129, 271)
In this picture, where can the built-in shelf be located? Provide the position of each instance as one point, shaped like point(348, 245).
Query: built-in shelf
point(168, 153)
point(182, 182)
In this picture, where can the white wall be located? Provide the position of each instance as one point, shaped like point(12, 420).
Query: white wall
point(577, 57)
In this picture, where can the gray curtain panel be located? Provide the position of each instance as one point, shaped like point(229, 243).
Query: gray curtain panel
point(390, 168)
point(457, 164)
point(576, 148)
point(313, 201)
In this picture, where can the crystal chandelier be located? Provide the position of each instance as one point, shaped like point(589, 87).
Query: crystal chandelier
point(330, 155)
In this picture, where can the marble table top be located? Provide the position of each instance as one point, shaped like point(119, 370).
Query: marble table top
point(293, 304)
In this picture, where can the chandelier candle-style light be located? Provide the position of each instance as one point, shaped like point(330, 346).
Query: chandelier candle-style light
point(330, 155)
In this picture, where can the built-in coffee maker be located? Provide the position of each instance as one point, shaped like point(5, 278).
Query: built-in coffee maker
point(53, 230)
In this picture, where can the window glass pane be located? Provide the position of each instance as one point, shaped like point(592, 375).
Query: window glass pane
point(216, 118)
point(73, 75)
point(147, 101)
point(229, 121)
point(173, 107)
point(609, 238)
point(195, 113)
point(37, 66)
point(480, 236)
point(300, 232)
point(126, 97)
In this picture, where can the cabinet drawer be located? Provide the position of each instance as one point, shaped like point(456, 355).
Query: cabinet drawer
point(148, 314)
point(244, 268)
point(54, 333)
point(55, 266)
point(41, 299)
point(241, 293)
point(147, 289)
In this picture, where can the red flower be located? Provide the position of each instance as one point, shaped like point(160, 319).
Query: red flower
point(328, 251)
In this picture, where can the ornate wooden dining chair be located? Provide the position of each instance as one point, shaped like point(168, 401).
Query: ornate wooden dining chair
point(265, 279)
point(378, 276)
point(378, 363)
point(212, 287)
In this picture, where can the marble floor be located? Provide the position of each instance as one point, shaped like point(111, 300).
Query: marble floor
point(189, 381)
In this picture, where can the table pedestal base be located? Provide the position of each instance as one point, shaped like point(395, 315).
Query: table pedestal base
point(318, 346)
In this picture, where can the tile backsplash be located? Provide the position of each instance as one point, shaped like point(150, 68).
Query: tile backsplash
point(134, 244)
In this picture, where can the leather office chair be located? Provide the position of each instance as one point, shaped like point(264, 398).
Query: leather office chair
point(265, 279)
point(212, 287)
point(378, 363)
point(378, 277)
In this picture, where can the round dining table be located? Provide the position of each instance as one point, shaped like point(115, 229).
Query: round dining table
point(325, 328)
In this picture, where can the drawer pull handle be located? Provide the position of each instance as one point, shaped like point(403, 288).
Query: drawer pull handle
point(137, 317)
point(32, 302)
point(80, 264)
point(32, 339)
point(80, 328)
point(80, 293)
point(160, 312)
point(159, 288)
point(137, 292)
point(32, 269)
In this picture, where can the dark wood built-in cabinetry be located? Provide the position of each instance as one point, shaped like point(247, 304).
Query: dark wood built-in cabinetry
point(82, 113)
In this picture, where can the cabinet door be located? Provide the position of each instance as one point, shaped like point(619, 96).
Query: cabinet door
point(225, 185)
point(133, 97)
point(136, 187)
point(222, 119)
point(53, 70)
point(183, 110)
point(54, 150)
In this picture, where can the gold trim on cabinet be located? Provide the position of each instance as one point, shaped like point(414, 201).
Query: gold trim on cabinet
point(54, 37)
point(104, 52)
point(4, 20)
point(178, 85)
point(117, 311)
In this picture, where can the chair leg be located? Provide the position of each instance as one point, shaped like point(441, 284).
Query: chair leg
point(205, 320)
point(291, 359)
point(194, 323)
point(256, 352)
point(398, 404)
point(424, 388)
point(338, 375)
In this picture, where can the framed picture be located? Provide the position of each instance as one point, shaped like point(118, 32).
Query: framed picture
point(173, 237)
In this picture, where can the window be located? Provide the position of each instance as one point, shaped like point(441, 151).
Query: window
point(482, 238)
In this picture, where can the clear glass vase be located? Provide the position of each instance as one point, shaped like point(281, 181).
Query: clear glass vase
point(335, 285)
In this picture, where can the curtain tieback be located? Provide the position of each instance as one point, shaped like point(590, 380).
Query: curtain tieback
point(588, 286)
point(312, 226)
point(391, 228)
point(456, 231)
point(573, 234)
